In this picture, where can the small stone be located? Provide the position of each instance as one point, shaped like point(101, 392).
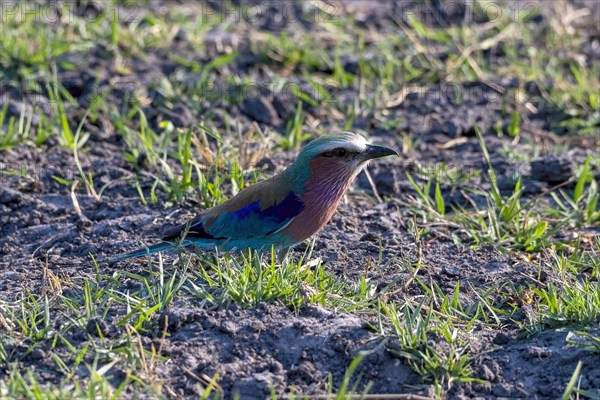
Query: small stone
point(451, 271)
point(97, 327)
point(182, 35)
point(8, 196)
point(257, 326)
point(501, 339)
point(394, 346)
point(179, 115)
point(234, 308)
point(553, 170)
point(172, 320)
point(283, 106)
point(537, 353)
point(84, 224)
point(453, 129)
point(260, 110)
point(351, 64)
point(486, 373)
point(502, 390)
point(228, 327)
point(316, 311)
point(305, 371)
point(485, 387)
point(209, 323)
point(37, 354)
point(370, 237)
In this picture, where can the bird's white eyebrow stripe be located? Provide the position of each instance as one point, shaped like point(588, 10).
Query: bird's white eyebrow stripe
point(351, 142)
point(348, 140)
point(347, 146)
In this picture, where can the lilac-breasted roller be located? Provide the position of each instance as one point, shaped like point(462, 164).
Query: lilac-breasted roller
point(283, 210)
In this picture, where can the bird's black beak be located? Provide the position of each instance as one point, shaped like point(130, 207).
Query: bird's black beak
point(373, 151)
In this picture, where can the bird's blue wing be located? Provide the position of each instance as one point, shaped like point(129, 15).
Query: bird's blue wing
point(252, 221)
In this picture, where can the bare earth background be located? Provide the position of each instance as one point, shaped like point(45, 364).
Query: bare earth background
point(233, 81)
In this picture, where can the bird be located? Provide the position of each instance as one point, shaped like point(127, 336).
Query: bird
point(281, 211)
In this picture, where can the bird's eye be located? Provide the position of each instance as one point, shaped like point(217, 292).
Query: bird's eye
point(340, 152)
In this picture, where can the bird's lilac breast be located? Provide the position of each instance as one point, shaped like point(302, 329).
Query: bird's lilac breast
point(323, 192)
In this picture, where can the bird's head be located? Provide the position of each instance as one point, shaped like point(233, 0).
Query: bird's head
point(340, 156)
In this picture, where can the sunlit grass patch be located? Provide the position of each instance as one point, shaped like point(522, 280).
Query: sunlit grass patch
point(250, 279)
point(514, 221)
point(566, 294)
point(29, 385)
point(115, 314)
point(573, 299)
point(33, 39)
point(428, 342)
point(197, 162)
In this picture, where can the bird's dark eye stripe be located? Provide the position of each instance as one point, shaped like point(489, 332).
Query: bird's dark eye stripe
point(340, 152)
point(337, 152)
